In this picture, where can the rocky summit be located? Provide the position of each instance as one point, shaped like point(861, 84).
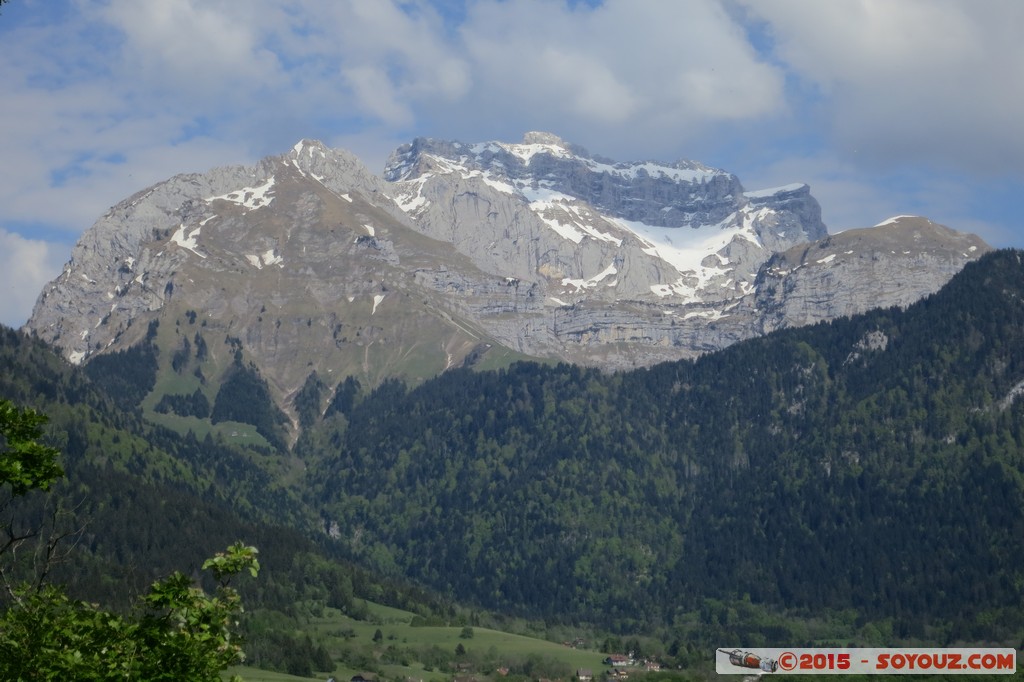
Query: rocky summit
point(470, 253)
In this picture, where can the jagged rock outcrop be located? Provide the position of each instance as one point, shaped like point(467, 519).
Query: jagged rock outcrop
point(678, 231)
point(307, 262)
point(892, 264)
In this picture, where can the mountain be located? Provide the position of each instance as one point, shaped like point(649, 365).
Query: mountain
point(306, 268)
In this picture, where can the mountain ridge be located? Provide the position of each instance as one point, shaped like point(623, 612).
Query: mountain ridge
point(310, 263)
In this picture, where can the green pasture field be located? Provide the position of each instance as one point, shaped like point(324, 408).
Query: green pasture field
point(394, 625)
point(340, 633)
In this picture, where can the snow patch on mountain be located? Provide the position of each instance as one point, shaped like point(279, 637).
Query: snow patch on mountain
point(410, 195)
point(686, 249)
point(251, 198)
point(709, 315)
point(466, 173)
point(525, 152)
point(269, 257)
point(766, 193)
point(895, 219)
point(579, 284)
point(689, 172)
point(490, 180)
point(750, 217)
point(310, 147)
point(189, 242)
point(550, 205)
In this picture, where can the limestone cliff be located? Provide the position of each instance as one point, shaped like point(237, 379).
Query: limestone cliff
point(307, 262)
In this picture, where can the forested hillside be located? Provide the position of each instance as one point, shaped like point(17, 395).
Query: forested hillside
point(871, 468)
point(872, 464)
point(138, 502)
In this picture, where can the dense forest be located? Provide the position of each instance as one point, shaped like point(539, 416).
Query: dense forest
point(870, 469)
point(873, 463)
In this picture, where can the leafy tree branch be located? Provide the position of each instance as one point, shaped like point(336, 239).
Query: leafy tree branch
point(25, 463)
point(176, 632)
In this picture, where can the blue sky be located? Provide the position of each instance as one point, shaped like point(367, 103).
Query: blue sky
point(884, 107)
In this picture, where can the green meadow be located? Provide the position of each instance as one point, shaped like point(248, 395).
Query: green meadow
point(387, 644)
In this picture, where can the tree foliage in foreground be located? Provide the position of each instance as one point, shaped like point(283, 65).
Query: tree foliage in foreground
point(25, 464)
point(176, 632)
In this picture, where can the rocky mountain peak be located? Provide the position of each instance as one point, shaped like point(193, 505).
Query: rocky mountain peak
point(338, 169)
point(550, 139)
point(309, 262)
point(899, 261)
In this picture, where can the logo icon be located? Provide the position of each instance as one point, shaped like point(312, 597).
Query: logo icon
point(745, 659)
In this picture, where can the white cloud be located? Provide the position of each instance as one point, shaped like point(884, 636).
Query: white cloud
point(376, 95)
point(593, 91)
point(67, 170)
point(383, 58)
point(214, 49)
point(26, 265)
point(78, 137)
point(914, 81)
point(636, 75)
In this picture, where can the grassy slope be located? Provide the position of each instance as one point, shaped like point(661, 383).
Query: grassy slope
point(395, 626)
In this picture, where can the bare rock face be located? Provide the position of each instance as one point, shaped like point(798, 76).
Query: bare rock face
point(310, 263)
point(893, 264)
point(595, 229)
